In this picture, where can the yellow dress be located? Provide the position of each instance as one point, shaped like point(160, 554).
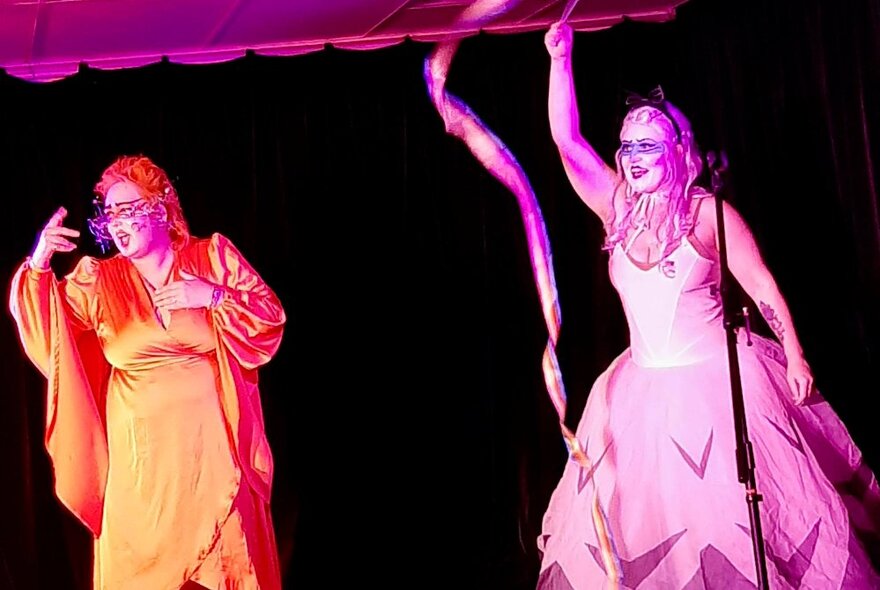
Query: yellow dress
point(158, 443)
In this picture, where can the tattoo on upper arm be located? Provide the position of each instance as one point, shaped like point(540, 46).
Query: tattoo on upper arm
point(772, 320)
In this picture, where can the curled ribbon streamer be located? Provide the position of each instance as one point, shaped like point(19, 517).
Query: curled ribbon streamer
point(461, 122)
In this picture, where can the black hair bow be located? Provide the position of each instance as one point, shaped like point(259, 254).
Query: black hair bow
point(655, 100)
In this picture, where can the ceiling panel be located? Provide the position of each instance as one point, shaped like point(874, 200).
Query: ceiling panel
point(44, 40)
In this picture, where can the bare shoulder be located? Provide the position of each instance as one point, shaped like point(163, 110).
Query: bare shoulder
point(703, 207)
point(737, 233)
point(707, 214)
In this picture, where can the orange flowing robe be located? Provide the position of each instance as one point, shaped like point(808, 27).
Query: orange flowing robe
point(156, 431)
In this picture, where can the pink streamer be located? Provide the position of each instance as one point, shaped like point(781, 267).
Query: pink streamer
point(463, 123)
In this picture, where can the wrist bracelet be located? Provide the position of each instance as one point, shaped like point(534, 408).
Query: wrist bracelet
point(216, 296)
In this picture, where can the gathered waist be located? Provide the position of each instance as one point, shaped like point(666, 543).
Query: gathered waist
point(179, 386)
point(710, 345)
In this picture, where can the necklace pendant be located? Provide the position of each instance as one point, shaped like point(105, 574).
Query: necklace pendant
point(667, 268)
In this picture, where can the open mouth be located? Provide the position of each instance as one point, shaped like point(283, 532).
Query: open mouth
point(637, 172)
point(123, 239)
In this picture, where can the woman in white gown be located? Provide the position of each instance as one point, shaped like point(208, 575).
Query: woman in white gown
point(660, 505)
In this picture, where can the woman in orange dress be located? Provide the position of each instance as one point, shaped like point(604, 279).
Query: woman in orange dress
point(154, 423)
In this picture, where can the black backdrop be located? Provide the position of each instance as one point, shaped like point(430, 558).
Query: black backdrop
point(415, 445)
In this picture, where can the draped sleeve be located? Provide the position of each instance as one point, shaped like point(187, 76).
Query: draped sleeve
point(249, 317)
point(248, 326)
point(55, 326)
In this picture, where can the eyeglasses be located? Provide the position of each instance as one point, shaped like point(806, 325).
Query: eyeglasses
point(122, 212)
point(128, 210)
point(633, 148)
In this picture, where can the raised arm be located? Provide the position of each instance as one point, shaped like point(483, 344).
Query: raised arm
point(592, 179)
point(34, 285)
point(749, 269)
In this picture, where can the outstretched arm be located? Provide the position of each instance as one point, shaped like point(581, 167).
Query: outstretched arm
point(591, 177)
point(748, 268)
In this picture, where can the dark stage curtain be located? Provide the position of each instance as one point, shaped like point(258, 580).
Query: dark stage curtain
point(415, 444)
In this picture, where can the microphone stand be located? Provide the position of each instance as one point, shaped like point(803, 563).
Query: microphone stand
point(745, 458)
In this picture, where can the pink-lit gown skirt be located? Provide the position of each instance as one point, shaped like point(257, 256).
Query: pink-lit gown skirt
point(658, 429)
